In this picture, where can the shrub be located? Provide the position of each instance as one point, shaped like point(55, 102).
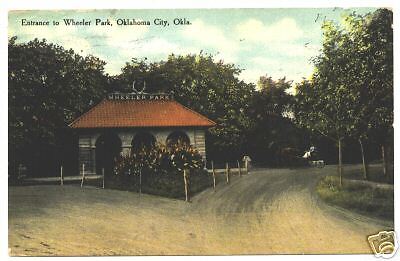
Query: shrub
point(158, 169)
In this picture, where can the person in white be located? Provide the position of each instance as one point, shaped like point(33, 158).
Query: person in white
point(308, 154)
point(247, 161)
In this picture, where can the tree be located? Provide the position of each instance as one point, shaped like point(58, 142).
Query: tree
point(272, 128)
point(376, 40)
point(352, 88)
point(323, 104)
point(48, 87)
point(368, 45)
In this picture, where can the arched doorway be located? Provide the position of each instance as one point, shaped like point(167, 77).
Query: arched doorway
point(108, 148)
point(178, 137)
point(143, 139)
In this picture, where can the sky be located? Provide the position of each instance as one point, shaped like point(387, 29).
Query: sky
point(274, 42)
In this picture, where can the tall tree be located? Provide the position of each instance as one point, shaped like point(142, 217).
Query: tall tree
point(368, 48)
point(323, 104)
point(48, 87)
point(377, 41)
point(352, 88)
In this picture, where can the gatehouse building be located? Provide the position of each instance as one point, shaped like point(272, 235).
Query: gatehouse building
point(124, 122)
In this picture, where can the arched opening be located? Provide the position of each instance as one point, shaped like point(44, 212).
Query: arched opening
point(108, 148)
point(143, 139)
point(178, 137)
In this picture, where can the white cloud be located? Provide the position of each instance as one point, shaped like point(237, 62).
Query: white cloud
point(292, 70)
point(118, 44)
point(284, 30)
point(251, 76)
point(154, 49)
point(294, 49)
point(284, 52)
point(204, 36)
point(158, 46)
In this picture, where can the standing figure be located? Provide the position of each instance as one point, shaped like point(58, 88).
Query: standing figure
point(247, 161)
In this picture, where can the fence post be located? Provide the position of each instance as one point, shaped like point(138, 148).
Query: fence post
point(186, 180)
point(227, 173)
point(83, 174)
point(213, 173)
point(140, 181)
point(19, 171)
point(240, 171)
point(102, 171)
point(61, 176)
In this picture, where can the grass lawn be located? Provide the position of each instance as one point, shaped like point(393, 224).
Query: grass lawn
point(363, 198)
point(375, 173)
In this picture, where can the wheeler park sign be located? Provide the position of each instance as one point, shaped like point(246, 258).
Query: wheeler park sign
point(140, 96)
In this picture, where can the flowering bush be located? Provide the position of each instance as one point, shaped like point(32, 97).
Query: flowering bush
point(184, 156)
point(145, 159)
point(159, 159)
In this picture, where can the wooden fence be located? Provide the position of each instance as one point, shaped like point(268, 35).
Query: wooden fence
point(84, 177)
point(227, 171)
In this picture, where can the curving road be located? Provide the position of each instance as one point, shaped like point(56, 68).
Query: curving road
point(265, 212)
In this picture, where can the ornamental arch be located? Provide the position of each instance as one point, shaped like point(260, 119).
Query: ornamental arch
point(143, 139)
point(177, 137)
point(108, 148)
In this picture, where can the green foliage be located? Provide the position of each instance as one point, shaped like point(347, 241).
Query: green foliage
point(147, 159)
point(184, 156)
point(161, 168)
point(48, 87)
point(272, 97)
point(373, 201)
point(351, 92)
point(171, 185)
point(159, 159)
point(272, 128)
point(375, 48)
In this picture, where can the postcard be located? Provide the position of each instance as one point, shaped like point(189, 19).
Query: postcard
point(202, 131)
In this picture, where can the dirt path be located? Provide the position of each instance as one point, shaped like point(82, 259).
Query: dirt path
point(266, 212)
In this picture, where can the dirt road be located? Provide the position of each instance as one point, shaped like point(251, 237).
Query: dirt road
point(266, 212)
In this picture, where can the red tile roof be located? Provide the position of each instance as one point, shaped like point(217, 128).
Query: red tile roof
point(140, 113)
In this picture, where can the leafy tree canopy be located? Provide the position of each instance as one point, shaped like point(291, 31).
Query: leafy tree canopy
point(48, 87)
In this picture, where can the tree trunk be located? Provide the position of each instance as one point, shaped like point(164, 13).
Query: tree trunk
point(227, 173)
point(340, 162)
point(384, 165)
point(140, 182)
point(186, 180)
point(240, 171)
point(213, 173)
point(363, 159)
